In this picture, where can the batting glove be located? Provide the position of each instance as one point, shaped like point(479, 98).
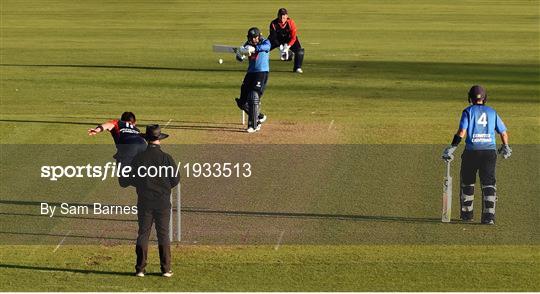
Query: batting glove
point(284, 52)
point(240, 57)
point(505, 151)
point(448, 153)
point(243, 50)
point(250, 49)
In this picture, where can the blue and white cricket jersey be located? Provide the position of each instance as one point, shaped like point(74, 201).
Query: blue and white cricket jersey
point(260, 60)
point(481, 123)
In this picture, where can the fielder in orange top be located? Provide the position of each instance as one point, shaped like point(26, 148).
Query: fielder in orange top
point(283, 35)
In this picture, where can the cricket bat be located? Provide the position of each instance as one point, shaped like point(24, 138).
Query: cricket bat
point(447, 196)
point(224, 48)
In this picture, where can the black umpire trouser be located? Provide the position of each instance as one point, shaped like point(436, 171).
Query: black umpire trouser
point(482, 162)
point(146, 218)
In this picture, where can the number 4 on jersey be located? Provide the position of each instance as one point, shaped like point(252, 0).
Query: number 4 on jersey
point(482, 120)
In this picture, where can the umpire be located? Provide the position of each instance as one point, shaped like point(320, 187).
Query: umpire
point(153, 202)
point(479, 122)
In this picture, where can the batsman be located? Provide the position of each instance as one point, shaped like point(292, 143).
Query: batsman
point(479, 123)
point(258, 51)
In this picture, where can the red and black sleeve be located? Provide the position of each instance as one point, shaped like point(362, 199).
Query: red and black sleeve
point(115, 131)
point(272, 36)
point(292, 27)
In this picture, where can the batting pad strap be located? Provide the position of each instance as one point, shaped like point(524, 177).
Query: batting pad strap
point(489, 210)
point(489, 186)
point(490, 198)
point(467, 208)
point(467, 185)
point(466, 198)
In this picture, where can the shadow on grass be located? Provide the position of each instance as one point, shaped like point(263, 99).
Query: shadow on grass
point(49, 122)
point(38, 203)
point(69, 217)
point(301, 215)
point(206, 128)
point(69, 236)
point(304, 215)
point(140, 121)
point(203, 126)
point(139, 67)
point(58, 269)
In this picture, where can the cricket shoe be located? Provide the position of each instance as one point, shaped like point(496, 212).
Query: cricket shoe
point(139, 274)
point(251, 130)
point(262, 118)
point(488, 219)
point(299, 70)
point(167, 274)
point(258, 128)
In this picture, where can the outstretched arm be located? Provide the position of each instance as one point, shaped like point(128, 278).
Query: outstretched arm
point(100, 128)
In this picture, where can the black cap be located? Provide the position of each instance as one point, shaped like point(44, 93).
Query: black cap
point(128, 116)
point(477, 93)
point(153, 133)
point(282, 11)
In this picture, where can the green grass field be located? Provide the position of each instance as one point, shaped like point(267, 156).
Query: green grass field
point(389, 78)
point(290, 268)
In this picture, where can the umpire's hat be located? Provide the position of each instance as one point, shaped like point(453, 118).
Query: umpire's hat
point(153, 133)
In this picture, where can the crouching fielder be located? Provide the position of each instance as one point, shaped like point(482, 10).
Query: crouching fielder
point(479, 122)
point(258, 50)
point(283, 35)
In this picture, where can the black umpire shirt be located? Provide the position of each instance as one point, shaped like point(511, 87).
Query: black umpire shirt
point(153, 175)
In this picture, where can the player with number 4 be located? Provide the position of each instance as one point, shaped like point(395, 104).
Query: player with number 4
point(479, 124)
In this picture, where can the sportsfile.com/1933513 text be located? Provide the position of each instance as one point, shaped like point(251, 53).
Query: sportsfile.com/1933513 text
point(216, 170)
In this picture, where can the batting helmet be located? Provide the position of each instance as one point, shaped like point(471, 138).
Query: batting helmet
point(253, 32)
point(476, 94)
